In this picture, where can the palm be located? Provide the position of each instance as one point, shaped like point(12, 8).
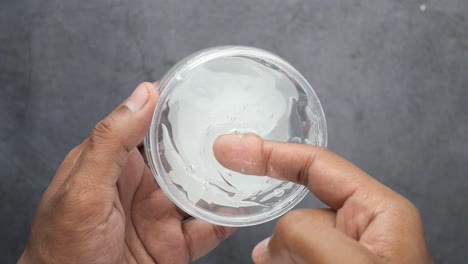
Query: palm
point(130, 222)
point(154, 226)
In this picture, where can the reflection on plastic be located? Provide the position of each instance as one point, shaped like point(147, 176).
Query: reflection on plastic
point(224, 96)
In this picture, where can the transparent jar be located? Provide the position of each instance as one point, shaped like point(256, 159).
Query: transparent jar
point(222, 90)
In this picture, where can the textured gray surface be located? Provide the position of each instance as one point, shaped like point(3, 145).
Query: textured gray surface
point(393, 81)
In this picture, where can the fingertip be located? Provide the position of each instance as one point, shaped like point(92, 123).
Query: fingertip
point(260, 252)
point(239, 152)
point(148, 85)
point(222, 146)
point(138, 98)
point(152, 89)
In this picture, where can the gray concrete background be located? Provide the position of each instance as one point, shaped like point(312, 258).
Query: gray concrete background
point(392, 77)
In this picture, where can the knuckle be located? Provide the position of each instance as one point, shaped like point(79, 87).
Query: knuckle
point(410, 208)
point(76, 203)
point(403, 208)
point(107, 131)
point(104, 128)
point(101, 134)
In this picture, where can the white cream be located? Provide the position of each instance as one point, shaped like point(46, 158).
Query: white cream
point(222, 96)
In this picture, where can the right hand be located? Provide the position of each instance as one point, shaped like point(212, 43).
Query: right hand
point(367, 222)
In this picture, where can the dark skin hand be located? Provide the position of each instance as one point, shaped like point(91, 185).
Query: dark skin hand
point(367, 222)
point(104, 206)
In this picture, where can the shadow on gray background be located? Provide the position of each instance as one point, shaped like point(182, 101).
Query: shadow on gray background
point(392, 77)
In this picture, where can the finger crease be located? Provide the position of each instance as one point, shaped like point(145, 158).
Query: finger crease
point(303, 177)
point(188, 243)
point(220, 232)
point(267, 167)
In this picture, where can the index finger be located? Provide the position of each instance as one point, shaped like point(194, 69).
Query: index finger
point(328, 176)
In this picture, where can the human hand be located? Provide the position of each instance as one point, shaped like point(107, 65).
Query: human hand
point(367, 222)
point(104, 206)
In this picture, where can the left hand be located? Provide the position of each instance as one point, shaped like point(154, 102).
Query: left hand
point(104, 205)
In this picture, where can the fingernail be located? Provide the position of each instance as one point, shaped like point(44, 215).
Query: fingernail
point(261, 248)
point(138, 99)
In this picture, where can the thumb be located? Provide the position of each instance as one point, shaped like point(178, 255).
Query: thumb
point(106, 150)
point(309, 236)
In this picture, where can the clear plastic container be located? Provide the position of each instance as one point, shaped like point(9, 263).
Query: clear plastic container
point(222, 90)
